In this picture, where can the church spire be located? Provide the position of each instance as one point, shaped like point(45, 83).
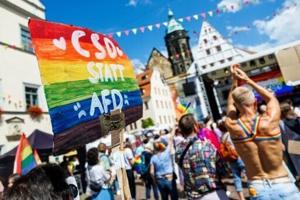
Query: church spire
point(173, 25)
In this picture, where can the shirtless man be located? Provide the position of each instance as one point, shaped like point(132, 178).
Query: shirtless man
point(257, 140)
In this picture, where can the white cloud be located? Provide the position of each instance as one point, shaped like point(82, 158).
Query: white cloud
point(283, 27)
point(134, 3)
point(138, 65)
point(257, 48)
point(234, 5)
point(236, 29)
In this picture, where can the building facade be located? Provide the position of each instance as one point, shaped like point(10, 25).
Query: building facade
point(159, 61)
point(20, 84)
point(157, 99)
point(212, 51)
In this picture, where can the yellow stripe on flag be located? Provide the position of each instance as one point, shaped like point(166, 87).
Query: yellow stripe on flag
point(64, 71)
point(26, 152)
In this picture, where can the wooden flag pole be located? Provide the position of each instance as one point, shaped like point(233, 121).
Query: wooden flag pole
point(116, 119)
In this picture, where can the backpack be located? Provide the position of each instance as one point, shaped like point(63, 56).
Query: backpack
point(227, 151)
point(140, 164)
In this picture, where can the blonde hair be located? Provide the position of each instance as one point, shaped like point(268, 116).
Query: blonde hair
point(243, 96)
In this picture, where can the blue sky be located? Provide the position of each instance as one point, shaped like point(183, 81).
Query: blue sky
point(255, 23)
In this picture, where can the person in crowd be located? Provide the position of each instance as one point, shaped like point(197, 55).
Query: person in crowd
point(70, 179)
point(290, 126)
point(1, 188)
point(12, 179)
point(41, 183)
point(162, 168)
point(230, 155)
point(257, 139)
point(145, 175)
point(197, 159)
point(129, 161)
point(207, 133)
point(98, 178)
point(103, 157)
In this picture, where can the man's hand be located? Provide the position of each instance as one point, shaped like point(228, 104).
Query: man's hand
point(241, 75)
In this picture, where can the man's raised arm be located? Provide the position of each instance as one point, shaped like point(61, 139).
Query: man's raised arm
point(231, 109)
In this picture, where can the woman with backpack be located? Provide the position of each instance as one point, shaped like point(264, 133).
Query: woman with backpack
point(98, 178)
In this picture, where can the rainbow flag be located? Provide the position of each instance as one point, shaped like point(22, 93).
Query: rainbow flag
point(85, 75)
point(25, 159)
point(183, 108)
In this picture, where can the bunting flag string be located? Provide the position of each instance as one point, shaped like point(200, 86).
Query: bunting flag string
point(142, 29)
point(203, 16)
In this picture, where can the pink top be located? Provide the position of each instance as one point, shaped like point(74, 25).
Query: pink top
point(209, 135)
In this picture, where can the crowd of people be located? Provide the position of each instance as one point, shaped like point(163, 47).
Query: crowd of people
point(258, 145)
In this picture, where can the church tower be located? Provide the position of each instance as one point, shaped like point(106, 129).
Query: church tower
point(177, 42)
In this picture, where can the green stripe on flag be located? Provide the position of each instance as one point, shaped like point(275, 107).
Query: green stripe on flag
point(60, 94)
point(29, 159)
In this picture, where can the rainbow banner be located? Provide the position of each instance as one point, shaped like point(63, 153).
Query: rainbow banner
point(85, 75)
point(24, 159)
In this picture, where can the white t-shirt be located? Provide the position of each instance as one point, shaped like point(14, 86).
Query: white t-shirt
point(128, 155)
point(97, 174)
point(71, 181)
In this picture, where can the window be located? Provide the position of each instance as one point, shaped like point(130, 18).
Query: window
point(170, 121)
point(262, 61)
point(215, 37)
point(271, 56)
point(158, 91)
point(252, 63)
point(207, 51)
point(146, 105)
point(244, 64)
point(162, 104)
point(160, 120)
point(222, 61)
point(144, 77)
point(204, 67)
point(157, 104)
point(26, 39)
point(205, 41)
point(165, 119)
point(166, 104)
point(230, 59)
point(135, 126)
point(212, 64)
point(31, 95)
point(218, 48)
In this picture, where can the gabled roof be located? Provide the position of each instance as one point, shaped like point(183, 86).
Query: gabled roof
point(152, 54)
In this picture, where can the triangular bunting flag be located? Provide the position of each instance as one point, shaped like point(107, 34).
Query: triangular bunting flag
point(134, 30)
point(180, 19)
point(157, 26)
point(165, 23)
point(150, 27)
point(142, 29)
point(188, 18)
point(210, 13)
point(196, 17)
point(119, 34)
point(126, 32)
point(203, 15)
